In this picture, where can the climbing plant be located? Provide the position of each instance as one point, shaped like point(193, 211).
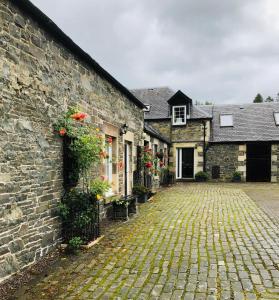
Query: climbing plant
point(83, 145)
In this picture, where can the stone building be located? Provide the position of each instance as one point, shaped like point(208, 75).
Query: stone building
point(43, 73)
point(218, 139)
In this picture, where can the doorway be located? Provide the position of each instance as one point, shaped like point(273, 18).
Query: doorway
point(185, 163)
point(258, 162)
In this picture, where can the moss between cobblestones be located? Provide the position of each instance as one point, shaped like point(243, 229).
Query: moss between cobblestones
point(199, 240)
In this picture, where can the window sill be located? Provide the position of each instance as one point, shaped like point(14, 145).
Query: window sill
point(179, 124)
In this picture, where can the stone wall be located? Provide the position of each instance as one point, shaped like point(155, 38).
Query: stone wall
point(225, 156)
point(162, 126)
point(39, 80)
point(275, 163)
point(191, 132)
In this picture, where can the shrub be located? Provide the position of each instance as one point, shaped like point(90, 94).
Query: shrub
point(236, 176)
point(98, 187)
point(201, 176)
point(140, 190)
point(74, 244)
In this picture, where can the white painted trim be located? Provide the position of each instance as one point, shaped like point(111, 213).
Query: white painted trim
point(185, 114)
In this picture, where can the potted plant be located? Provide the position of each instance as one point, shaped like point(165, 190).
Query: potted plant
point(201, 176)
point(142, 193)
point(236, 176)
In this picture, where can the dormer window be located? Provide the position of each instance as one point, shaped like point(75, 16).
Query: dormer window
point(276, 118)
point(226, 121)
point(147, 108)
point(179, 115)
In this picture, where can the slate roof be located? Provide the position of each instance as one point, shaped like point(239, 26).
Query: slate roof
point(251, 122)
point(153, 132)
point(49, 26)
point(158, 98)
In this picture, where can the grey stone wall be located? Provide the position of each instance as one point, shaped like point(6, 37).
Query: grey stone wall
point(225, 156)
point(275, 163)
point(192, 131)
point(162, 126)
point(40, 79)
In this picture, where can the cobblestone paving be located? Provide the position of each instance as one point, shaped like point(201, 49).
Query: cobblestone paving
point(194, 241)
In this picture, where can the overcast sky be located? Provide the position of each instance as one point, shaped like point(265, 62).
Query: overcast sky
point(215, 50)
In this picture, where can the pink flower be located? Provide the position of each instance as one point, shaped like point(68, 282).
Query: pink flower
point(103, 177)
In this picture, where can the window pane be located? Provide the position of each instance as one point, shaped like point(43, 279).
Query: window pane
point(276, 116)
point(179, 115)
point(226, 120)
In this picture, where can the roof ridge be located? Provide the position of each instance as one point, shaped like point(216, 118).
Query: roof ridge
point(152, 88)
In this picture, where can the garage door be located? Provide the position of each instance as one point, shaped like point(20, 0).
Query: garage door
point(258, 163)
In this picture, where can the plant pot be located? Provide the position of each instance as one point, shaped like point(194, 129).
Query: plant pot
point(143, 198)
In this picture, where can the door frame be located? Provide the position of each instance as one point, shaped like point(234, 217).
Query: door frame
point(178, 168)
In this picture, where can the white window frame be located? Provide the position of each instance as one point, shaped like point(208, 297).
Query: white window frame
point(173, 115)
point(178, 163)
point(147, 108)
point(108, 169)
point(276, 118)
point(226, 124)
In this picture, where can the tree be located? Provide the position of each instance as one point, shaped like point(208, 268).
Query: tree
point(258, 99)
point(269, 99)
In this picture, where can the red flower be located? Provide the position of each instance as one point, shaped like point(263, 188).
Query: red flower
point(161, 164)
point(62, 131)
point(149, 164)
point(80, 116)
point(109, 140)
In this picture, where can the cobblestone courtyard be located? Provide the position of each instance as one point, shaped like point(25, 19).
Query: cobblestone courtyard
point(193, 241)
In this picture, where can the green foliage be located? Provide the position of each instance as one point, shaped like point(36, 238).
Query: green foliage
point(63, 210)
point(236, 176)
point(82, 142)
point(140, 190)
point(99, 187)
point(78, 208)
point(201, 176)
point(86, 150)
point(121, 201)
point(75, 244)
point(258, 98)
point(269, 99)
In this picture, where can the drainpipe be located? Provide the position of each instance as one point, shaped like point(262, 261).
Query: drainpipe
point(204, 150)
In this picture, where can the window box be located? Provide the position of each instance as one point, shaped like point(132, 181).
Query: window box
point(124, 207)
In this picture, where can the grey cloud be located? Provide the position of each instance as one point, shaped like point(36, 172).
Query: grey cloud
point(225, 51)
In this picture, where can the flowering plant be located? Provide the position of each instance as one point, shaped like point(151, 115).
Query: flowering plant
point(82, 141)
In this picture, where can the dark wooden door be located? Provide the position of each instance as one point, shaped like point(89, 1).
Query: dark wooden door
point(258, 162)
point(187, 163)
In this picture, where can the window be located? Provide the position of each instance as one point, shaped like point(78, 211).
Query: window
point(179, 115)
point(226, 120)
point(276, 118)
point(147, 108)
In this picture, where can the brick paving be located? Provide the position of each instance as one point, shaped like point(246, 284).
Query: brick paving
point(194, 241)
